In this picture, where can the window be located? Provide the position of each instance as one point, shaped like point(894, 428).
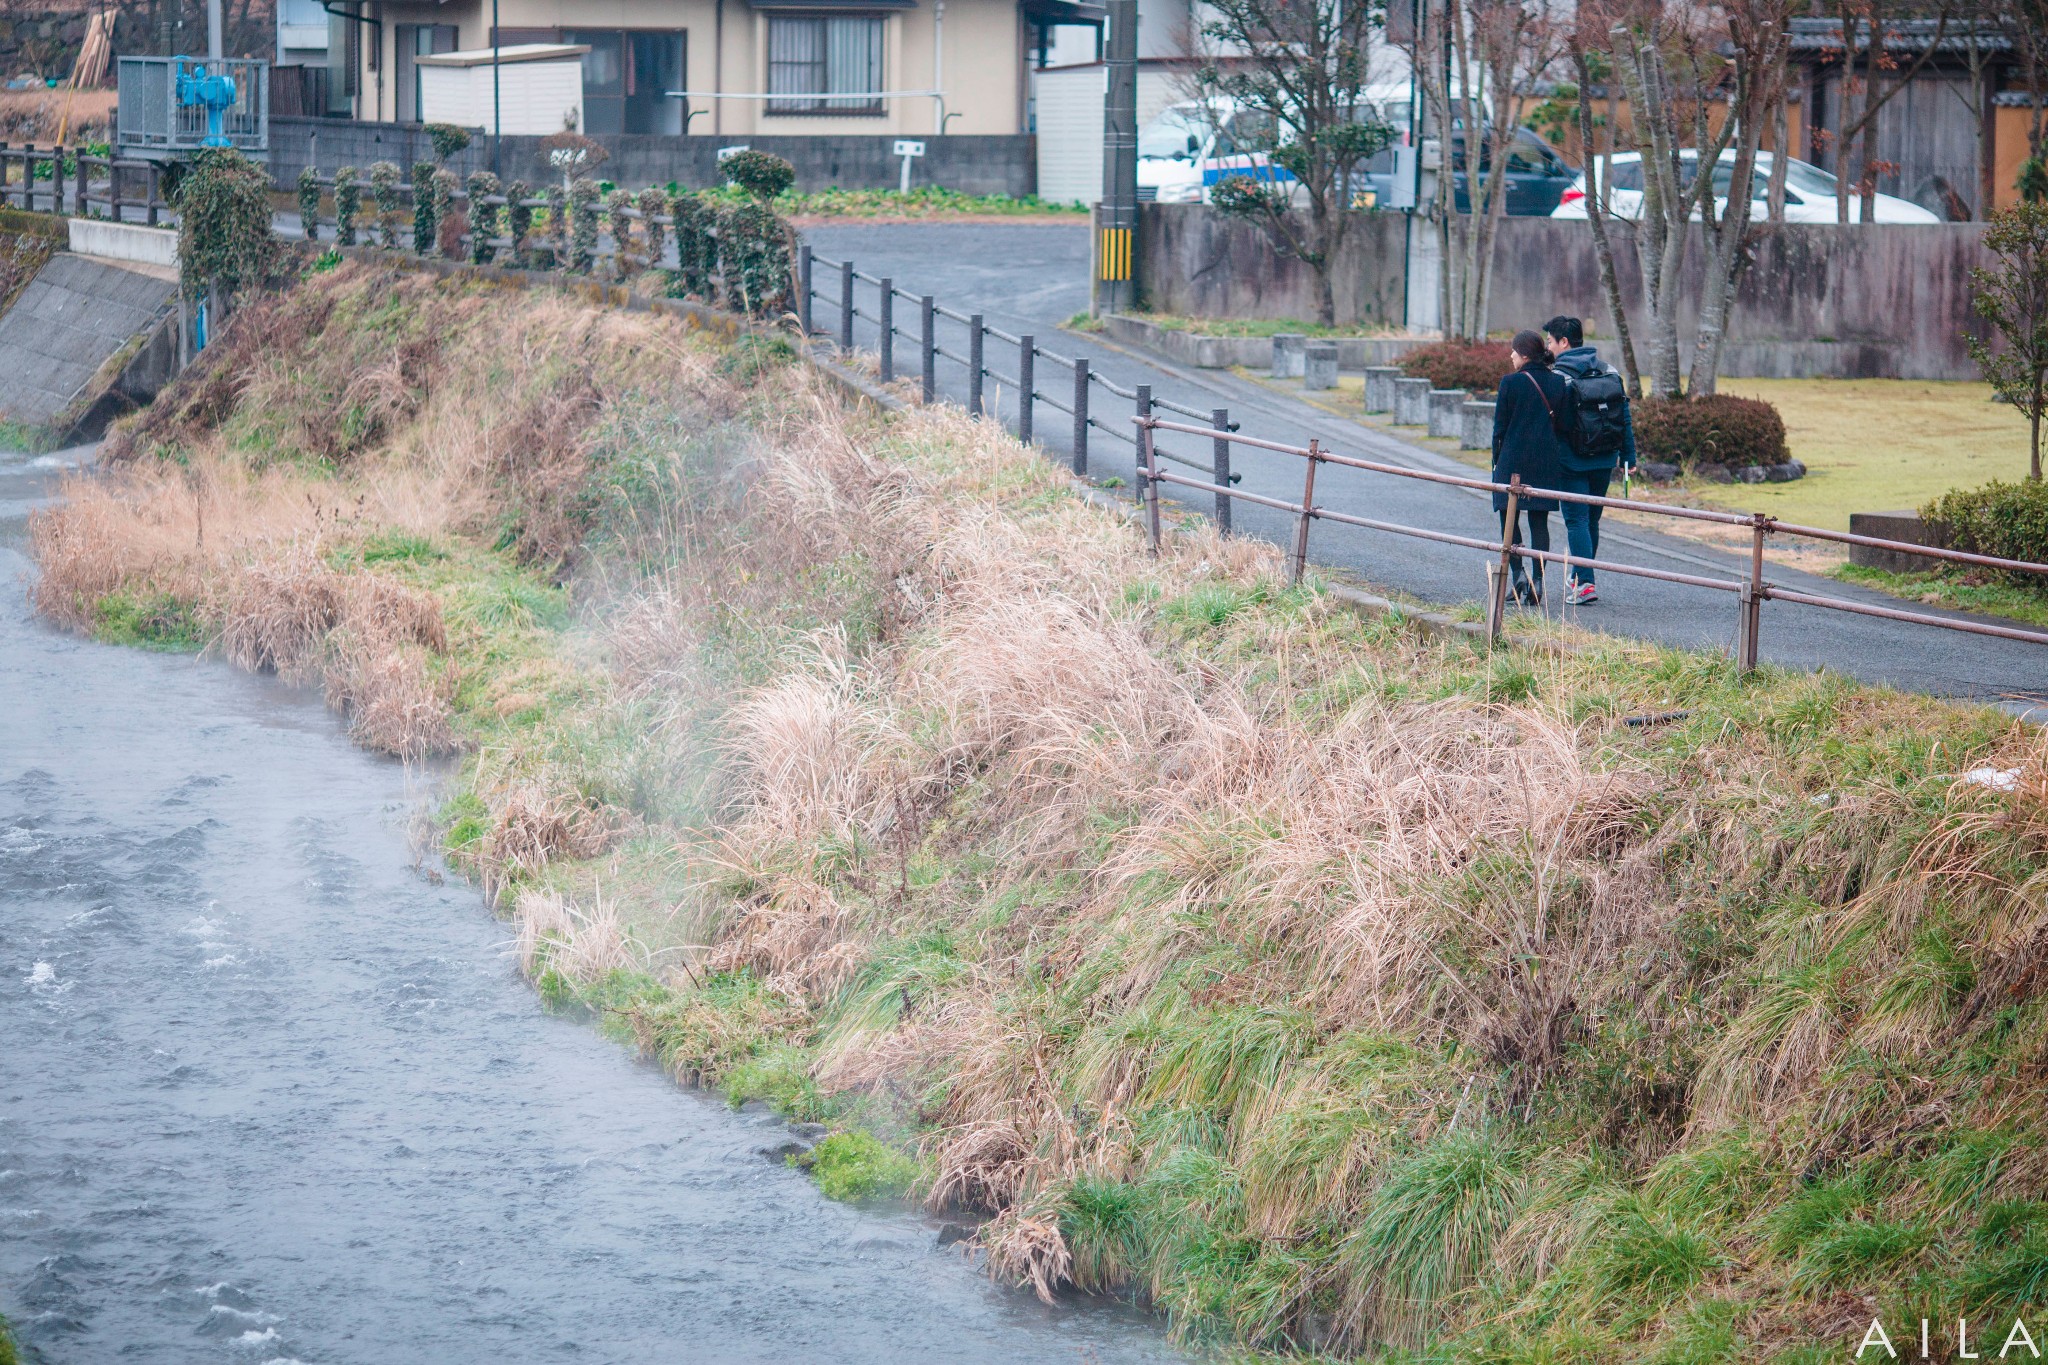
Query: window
point(825, 65)
point(627, 75)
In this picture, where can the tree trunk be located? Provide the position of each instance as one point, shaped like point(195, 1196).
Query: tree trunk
point(1596, 214)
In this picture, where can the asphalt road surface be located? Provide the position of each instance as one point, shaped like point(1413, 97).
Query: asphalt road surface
point(1032, 278)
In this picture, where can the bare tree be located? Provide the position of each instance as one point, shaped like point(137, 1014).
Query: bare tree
point(1870, 28)
point(1676, 61)
point(1300, 68)
point(1475, 59)
point(1599, 159)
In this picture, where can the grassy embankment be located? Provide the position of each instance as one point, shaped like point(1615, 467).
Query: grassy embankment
point(1330, 985)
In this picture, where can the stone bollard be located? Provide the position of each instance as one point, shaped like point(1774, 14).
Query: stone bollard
point(1319, 365)
point(1411, 402)
point(1446, 417)
point(1379, 387)
point(1287, 357)
point(1477, 425)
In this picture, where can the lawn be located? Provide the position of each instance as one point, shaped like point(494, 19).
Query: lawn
point(1878, 445)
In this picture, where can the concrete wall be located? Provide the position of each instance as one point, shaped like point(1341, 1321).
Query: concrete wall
point(975, 54)
point(972, 165)
point(76, 315)
point(123, 241)
point(1196, 262)
point(1862, 302)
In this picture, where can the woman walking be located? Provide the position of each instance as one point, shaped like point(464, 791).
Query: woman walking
point(1525, 442)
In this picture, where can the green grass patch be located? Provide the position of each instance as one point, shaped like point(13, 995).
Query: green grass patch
point(1957, 590)
point(152, 620)
point(855, 1167)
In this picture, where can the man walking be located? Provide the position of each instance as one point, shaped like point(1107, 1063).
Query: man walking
point(1603, 432)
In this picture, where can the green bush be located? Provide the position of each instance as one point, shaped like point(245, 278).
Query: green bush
point(696, 245)
point(309, 203)
point(1717, 429)
point(424, 215)
point(348, 202)
point(856, 1167)
point(1475, 366)
point(384, 181)
point(224, 236)
point(2009, 520)
point(761, 174)
point(448, 139)
point(485, 220)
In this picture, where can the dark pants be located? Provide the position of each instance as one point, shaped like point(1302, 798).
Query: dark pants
point(1582, 522)
point(1539, 539)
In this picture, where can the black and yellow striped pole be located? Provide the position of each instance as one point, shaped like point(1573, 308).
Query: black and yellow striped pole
point(1116, 217)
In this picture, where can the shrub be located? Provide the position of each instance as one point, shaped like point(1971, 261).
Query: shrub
point(309, 203)
point(616, 204)
point(1717, 429)
point(384, 180)
point(224, 235)
point(583, 225)
point(484, 219)
point(1476, 366)
point(761, 174)
point(448, 139)
point(423, 208)
point(2009, 520)
point(348, 202)
point(696, 244)
point(753, 259)
point(653, 203)
point(451, 216)
point(518, 220)
point(1240, 196)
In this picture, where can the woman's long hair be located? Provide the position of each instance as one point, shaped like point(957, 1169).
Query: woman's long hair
point(1529, 346)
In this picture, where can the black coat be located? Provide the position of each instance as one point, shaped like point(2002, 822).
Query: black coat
point(1524, 441)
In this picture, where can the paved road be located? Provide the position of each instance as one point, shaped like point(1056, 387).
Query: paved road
point(1031, 278)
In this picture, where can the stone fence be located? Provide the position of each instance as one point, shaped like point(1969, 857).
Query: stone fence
point(1884, 301)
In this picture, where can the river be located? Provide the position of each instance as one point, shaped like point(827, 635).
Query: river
point(269, 1092)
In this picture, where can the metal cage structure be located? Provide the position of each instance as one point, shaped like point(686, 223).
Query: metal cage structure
point(153, 124)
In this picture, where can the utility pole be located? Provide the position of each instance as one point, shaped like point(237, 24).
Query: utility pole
point(214, 50)
point(1116, 217)
point(498, 105)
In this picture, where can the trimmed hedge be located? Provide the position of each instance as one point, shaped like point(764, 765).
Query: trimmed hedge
point(1475, 366)
point(2009, 520)
point(1717, 429)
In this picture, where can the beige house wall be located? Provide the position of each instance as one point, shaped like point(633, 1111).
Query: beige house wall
point(979, 68)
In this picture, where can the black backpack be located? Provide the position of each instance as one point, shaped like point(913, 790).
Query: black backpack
point(1599, 413)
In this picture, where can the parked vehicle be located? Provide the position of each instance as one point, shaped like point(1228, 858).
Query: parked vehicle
point(1538, 175)
point(1192, 146)
point(1810, 192)
point(1195, 143)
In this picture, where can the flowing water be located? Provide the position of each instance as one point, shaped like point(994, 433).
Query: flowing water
point(268, 1092)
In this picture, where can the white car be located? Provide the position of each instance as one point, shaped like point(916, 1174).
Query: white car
point(1809, 192)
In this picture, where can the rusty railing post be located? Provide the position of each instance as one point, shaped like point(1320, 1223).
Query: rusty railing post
point(1752, 595)
point(846, 305)
point(804, 267)
point(974, 365)
point(887, 314)
point(1027, 351)
point(28, 177)
point(1142, 406)
point(1497, 604)
point(153, 186)
point(1308, 513)
point(1148, 468)
point(931, 351)
point(57, 181)
point(1219, 418)
point(1080, 414)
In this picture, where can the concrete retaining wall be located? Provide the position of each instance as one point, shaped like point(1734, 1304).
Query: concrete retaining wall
point(123, 241)
point(970, 164)
point(1207, 352)
point(75, 316)
point(1884, 301)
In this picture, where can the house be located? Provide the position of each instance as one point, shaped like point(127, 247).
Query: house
point(1953, 135)
point(728, 68)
